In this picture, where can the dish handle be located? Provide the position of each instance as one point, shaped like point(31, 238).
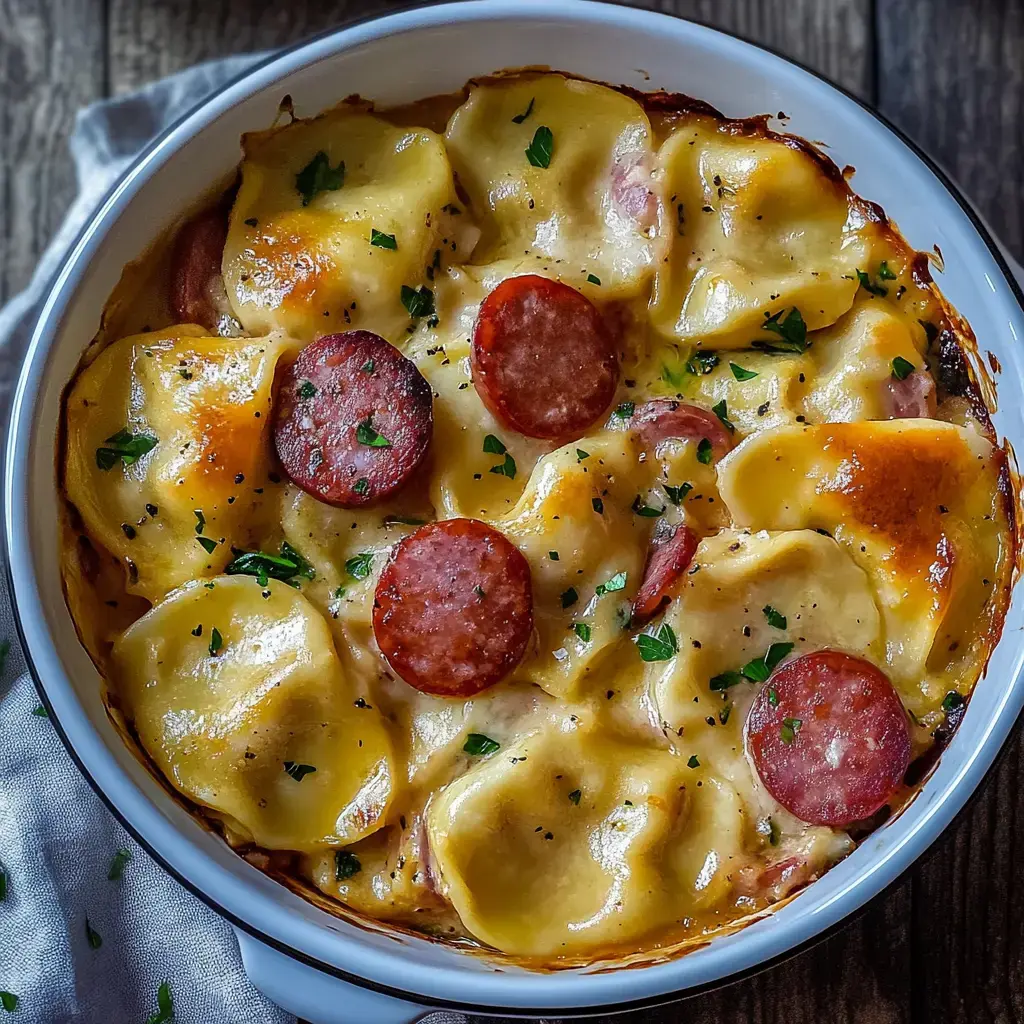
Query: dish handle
point(317, 997)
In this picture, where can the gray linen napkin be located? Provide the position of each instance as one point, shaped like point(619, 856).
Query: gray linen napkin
point(57, 840)
point(76, 945)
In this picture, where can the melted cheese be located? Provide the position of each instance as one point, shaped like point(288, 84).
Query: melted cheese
point(720, 624)
point(207, 403)
point(916, 504)
point(619, 799)
point(593, 208)
point(612, 840)
point(224, 721)
point(310, 268)
point(853, 363)
point(755, 228)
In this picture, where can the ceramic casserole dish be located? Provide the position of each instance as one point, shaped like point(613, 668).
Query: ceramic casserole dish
point(327, 969)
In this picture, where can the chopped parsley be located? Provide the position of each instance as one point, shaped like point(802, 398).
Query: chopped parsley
point(581, 455)
point(553, 555)
point(755, 671)
point(789, 728)
point(540, 149)
point(759, 669)
point(477, 744)
point(624, 410)
point(701, 363)
point(670, 376)
point(574, 797)
point(117, 864)
point(361, 486)
point(593, 279)
point(902, 368)
point(617, 582)
point(298, 771)
point(382, 241)
point(366, 434)
point(792, 332)
point(582, 630)
point(165, 1006)
point(40, 712)
point(126, 446)
point(285, 567)
point(660, 646)
point(507, 467)
point(677, 494)
point(319, 176)
point(693, 762)
point(368, 366)
point(359, 566)
point(92, 936)
point(520, 118)
point(345, 865)
point(9, 1001)
point(569, 597)
point(773, 697)
point(869, 286)
point(418, 301)
point(494, 445)
point(3, 883)
point(721, 410)
point(209, 545)
point(704, 451)
point(740, 374)
point(642, 509)
point(723, 715)
point(307, 389)
point(884, 272)
point(5, 649)
point(216, 641)
point(952, 701)
point(200, 520)
point(774, 617)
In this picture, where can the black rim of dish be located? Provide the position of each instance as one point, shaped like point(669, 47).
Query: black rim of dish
point(430, 1002)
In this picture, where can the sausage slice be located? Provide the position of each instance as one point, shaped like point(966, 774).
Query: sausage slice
point(669, 557)
point(353, 419)
point(453, 610)
point(664, 418)
point(195, 264)
point(828, 736)
point(543, 359)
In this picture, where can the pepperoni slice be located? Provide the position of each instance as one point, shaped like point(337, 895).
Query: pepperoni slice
point(670, 556)
point(195, 263)
point(453, 610)
point(543, 360)
point(828, 736)
point(354, 419)
point(664, 418)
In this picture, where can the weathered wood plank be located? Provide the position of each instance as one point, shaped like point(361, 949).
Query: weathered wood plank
point(154, 39)
point(51, 62)
point(951, 74)
point(834, 37)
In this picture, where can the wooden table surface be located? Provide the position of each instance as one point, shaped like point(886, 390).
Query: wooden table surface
point(946, 944)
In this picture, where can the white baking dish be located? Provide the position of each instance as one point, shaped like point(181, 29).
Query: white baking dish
point(316, 965)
